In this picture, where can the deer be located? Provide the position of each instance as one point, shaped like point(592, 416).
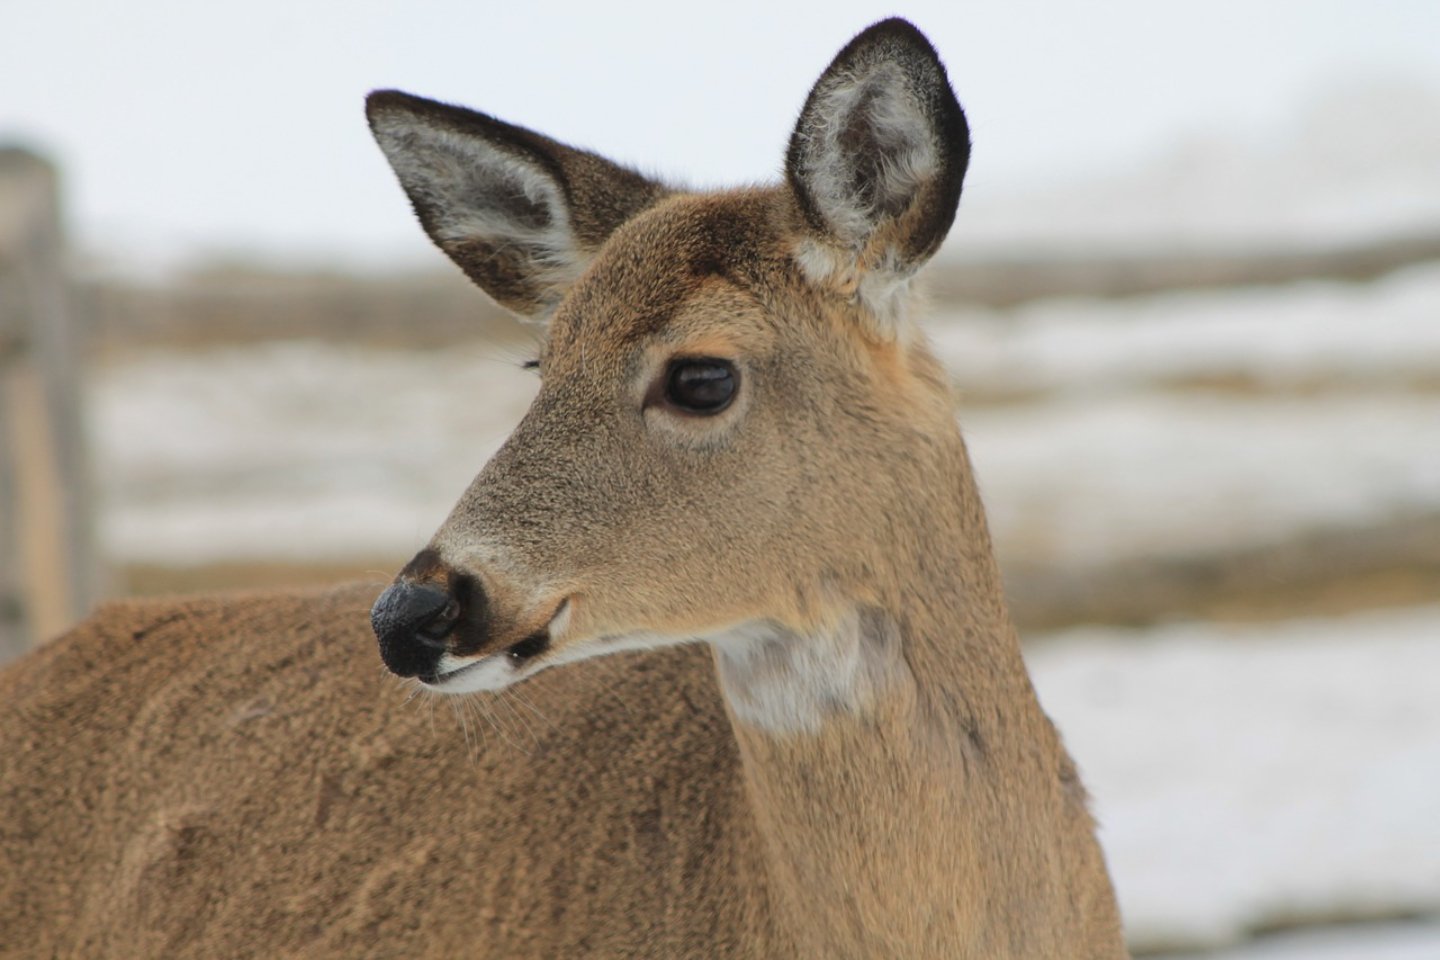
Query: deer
point(803, 727)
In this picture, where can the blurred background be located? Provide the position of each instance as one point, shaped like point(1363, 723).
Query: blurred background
point(1191, 304)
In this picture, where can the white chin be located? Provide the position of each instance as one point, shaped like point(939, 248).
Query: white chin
point(494, 672)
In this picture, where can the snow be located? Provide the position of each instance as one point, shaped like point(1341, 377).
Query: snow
point(1118, 455)
point(293, 450)
point(1276, 338)
point(1250, 775)
point(1120, 477)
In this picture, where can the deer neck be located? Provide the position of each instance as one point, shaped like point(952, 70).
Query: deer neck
point(902, 774)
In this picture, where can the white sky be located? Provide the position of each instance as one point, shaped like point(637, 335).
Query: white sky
point(189, 128)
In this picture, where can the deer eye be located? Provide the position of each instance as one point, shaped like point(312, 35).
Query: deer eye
point(703, 385)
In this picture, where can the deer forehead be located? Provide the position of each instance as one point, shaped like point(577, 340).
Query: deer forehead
point(696, 274)
point(723, 275)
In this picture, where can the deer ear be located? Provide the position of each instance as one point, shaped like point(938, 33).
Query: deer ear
point(520, 213)
point(876, 163)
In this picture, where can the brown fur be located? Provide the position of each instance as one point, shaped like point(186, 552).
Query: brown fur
point(237, 778)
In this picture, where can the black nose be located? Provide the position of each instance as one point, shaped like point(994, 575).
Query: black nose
point(411, 621)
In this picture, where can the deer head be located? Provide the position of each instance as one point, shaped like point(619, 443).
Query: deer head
point(738, 430)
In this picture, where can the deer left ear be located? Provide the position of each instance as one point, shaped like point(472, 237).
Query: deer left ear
point(520, 213)
point(876, 163)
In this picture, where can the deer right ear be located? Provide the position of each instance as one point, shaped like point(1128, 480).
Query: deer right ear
point(876, 163)
point(520, 213)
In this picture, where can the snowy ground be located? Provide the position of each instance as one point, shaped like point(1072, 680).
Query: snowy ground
point(1110, 478)
point(294, 450)
point(1247, 776)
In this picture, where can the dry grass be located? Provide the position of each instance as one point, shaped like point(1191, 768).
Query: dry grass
point(1322, 573)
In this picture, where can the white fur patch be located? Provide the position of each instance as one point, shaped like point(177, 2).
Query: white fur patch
point(471, 676)
point(783, 682)
point(883, 292)
point(823, 265)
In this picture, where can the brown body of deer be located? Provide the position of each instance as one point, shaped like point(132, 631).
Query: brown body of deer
point(742, 460)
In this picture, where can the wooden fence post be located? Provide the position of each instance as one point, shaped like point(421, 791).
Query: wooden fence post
point(49, 574)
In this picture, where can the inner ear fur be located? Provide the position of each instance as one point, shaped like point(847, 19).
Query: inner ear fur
point(520, 213)
point(877, 160)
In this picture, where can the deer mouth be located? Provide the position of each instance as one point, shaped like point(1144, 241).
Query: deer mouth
point(499, 669)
